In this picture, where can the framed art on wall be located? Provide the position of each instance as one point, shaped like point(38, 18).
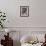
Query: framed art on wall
point(24, 11)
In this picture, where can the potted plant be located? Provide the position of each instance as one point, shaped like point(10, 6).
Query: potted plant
point(2, 19)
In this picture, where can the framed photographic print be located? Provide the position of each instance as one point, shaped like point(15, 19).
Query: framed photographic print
point(24, 11)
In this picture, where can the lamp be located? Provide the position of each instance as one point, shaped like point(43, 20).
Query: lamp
point(7, 31)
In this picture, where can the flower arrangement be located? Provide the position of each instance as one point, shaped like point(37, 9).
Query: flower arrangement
point(2, 19)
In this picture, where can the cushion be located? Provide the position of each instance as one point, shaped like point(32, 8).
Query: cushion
point(26, 39)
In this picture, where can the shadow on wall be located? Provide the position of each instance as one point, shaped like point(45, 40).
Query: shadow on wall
point(16, 43)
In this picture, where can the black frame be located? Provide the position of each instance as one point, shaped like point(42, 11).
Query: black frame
point(24, 10)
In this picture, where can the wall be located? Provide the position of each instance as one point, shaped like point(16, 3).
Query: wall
point(37, 13)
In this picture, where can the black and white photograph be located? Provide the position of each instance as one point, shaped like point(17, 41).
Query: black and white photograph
point(24, 11)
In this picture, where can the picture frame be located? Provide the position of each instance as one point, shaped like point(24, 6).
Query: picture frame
point(24, 11)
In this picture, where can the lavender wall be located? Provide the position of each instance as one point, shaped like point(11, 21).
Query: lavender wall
point(37, 13)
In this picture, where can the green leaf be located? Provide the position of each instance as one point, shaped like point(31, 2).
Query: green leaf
point(1, 16)
point(3, 19)
point(4, 13)
point(0, 21)
point(4, 16)
point(0, 12)
point(2, 26)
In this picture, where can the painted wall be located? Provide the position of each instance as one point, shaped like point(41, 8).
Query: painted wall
point(37, 13)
